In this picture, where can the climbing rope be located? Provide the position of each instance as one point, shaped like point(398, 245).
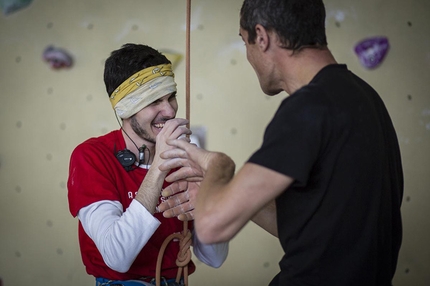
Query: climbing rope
point(184, 254)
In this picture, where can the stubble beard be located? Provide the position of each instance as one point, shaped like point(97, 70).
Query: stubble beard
point(139, 131)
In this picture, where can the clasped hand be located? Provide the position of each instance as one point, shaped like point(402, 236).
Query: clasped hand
point(173, 129)
point(181, 197)
point(182, 193)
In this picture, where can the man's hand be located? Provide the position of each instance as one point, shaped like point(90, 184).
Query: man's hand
point(149, 190)
point(191, 160)
point(181, 199)
point(173, 129)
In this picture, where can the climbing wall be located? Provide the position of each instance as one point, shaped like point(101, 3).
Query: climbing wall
point(48, 107)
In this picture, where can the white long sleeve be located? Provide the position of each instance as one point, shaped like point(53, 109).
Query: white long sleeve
point(119, 240)
point(115, 232)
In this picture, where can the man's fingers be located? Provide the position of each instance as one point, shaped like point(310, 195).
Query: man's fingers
point(179, 131)
point(176, 202)
point(166, 205)
point(177, 177)
point(186, 216)
point(171, 164)
point(178, 211)
point(173, 129)
point(174, 188)
point(185, 173)
point(174, 153)
point(185, 138)
point(181, 144)
point(173, 124)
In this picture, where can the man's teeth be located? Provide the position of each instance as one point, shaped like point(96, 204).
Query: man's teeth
point(159, 125)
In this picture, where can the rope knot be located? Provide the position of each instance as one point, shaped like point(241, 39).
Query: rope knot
point(184, 254)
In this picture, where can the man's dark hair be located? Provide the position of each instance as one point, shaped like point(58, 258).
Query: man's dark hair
point(298, 23)
point(128, 60)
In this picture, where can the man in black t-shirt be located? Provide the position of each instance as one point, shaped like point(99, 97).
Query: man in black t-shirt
point(327, 179)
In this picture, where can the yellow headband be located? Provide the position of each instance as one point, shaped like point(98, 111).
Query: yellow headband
point(138, 79)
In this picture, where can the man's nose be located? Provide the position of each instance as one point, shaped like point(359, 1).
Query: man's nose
point(167, 109)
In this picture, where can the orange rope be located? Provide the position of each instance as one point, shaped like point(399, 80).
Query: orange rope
point(187, 64)
point(184, 255)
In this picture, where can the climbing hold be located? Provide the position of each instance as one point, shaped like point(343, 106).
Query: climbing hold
point(372, 51)
point(57, 58)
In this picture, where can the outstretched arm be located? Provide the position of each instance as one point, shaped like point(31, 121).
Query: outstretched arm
point(225, 203)
point(266, 218)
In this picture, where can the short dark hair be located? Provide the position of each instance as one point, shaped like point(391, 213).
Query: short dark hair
point(128, 60)
point(298, 23)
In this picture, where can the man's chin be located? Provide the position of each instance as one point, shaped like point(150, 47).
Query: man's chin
point(150, 140)
point(147, 138)
point(271, 92)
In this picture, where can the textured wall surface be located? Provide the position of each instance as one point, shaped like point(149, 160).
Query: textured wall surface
point(45, 113)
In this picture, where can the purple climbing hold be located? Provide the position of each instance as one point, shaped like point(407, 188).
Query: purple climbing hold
point(57, 58)
point(372, 51)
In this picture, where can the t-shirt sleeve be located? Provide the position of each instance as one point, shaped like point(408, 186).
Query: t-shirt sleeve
point(90, 179)
point(211, 254)
point(293, 138)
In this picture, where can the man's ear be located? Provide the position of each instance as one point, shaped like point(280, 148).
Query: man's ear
point(262, 40)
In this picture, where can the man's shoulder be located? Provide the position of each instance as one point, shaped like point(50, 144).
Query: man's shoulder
point(99, 143)
point(309, 97)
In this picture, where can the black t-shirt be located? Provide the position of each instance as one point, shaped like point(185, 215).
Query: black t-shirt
point(339, 223)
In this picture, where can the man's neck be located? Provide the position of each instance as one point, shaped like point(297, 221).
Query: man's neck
point(300, 68)
point(134, 143)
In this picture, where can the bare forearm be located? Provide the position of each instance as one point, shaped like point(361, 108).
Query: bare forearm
point(209, 220)
point(219, 170)
point(266, 218)
point(150, 189)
